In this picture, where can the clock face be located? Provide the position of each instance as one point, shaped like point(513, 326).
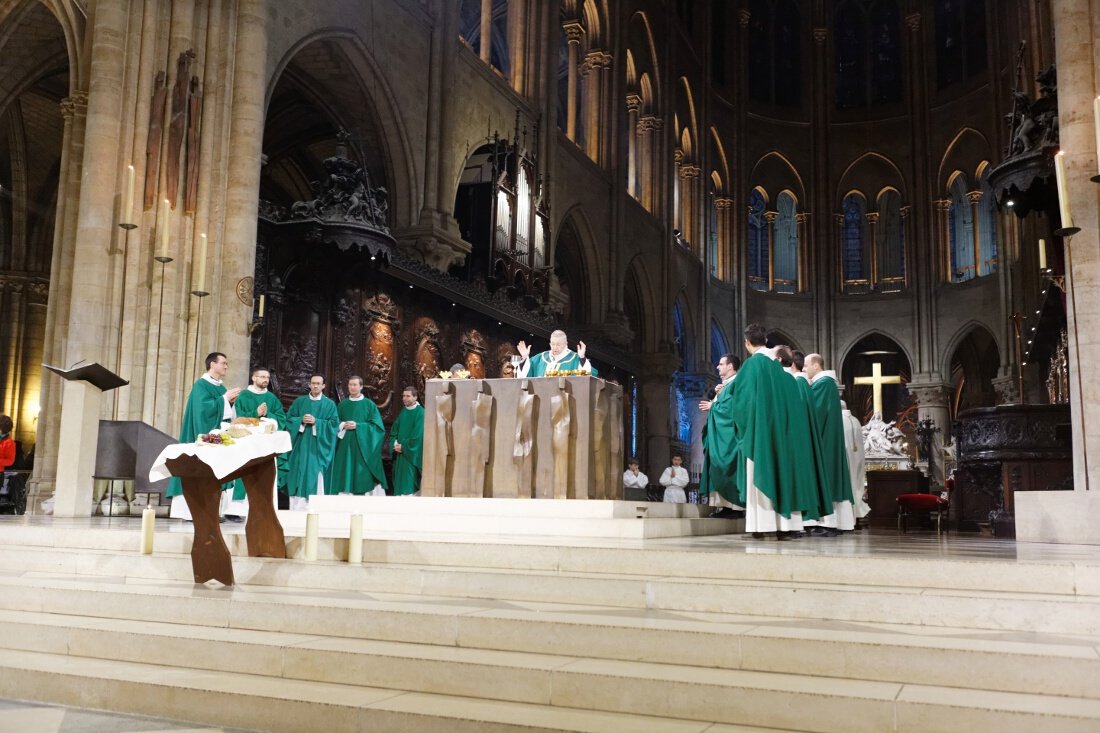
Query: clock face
point(244, 290)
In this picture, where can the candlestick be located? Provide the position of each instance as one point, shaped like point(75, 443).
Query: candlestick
point(260, 313)
point(200, 267)
point(313, 524)
point(128, 201)
point(1096, 124)
point(148, 519)
point(1067, 229)
point(1042, 254)
point(355, 539)
point(165, 232)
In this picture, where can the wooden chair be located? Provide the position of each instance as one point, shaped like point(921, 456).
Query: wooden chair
point(922, 505)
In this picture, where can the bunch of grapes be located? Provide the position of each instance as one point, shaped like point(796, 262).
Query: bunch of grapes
point(215, 439)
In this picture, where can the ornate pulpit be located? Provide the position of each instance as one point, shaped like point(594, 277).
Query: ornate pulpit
point(544, 438)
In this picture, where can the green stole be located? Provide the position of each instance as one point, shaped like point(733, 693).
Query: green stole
point(836, 481)
point(543, 361)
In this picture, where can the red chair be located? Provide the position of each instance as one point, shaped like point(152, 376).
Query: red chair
point(922, 505)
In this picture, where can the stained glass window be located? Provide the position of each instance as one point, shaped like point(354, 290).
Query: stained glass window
point(852, 236)
point(786, 245)
point(758, 243)
point(961, 226)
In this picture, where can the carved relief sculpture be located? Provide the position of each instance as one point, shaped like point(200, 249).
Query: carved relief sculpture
point(379, 351)
point(474, 350)
point(156, 134)
point(1058, 373)
point(559, 424)
point(177, 124)
point(426, 360)
point(599, 439)
point(502, 357)
point(480, 439)
point(444, 438)
point(523, 452)
point(191, 172)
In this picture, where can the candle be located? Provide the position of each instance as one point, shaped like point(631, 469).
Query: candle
point(200, 267)
point(1042, 254)
point(355, 539)
point(261, 313)
point(166, 214)
point(1063, 190)
point(313, 524)
point(128, 202)
point(1096, 123)
point(148, 519)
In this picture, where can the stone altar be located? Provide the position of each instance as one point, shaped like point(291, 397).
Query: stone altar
point(543, 438)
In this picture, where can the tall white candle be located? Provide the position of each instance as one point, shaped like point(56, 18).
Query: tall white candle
point(148, 519)
point(166, 215)
point(355, 539)
point(128, 202)
point(261, 313)
point(313, 525)
point(1063, 189)
point(1042, 254)
point(200, 265)
point(1096, 123)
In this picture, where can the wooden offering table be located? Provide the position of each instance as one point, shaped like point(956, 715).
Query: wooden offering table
point(540, 438)
point(203, 469)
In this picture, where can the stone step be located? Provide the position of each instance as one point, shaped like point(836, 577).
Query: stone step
point(291, 706)
point(665, 695)
point(878, 603)
point(833, 561)
point(51, 616)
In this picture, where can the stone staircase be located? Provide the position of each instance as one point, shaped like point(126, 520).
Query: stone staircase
point(468, 634)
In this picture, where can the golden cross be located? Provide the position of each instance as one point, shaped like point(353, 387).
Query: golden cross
point(876, 380)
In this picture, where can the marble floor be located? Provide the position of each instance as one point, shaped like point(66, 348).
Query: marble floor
point(29, 717)
point(877, 542)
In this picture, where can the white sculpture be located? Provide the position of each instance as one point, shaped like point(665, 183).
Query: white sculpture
point(882, 439)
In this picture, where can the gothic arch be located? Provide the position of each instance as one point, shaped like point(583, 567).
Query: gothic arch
point(379, 106)
point(857, 362)
point(774, 172)
point(965, 152)
point(575, 255)
point(689, 332)
point(778, 337)
point(640, 39)
point(722, 162)
point(870, 173)
point(961, 334)
point(638, 287)
point(846, 349)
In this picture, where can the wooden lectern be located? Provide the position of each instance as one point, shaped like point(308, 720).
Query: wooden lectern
point(203, 491)
point(79, 433)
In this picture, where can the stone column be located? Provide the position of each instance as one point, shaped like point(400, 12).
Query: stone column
point(486, 46)
point(689, 216)
point(1076, 25)
point(932, 404)
point(237, 255)
point(726, 269)
point(872, 246)
point(596, 64)
point(574, 32)
point(633, 104)
point(770, 217)
point(803, 221)
point(975, 199)
point(654, 380)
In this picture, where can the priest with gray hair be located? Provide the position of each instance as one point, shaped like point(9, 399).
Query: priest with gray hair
point(557, 358)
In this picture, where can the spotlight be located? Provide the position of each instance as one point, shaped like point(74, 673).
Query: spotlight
point(1010, 203)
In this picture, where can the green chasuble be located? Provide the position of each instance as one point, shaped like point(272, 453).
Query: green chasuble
point(836, 482)
point(312, 454)
point(807, 450)
point(204, 411)
point(720, 448)
point(357, 467)
point(569, 361)
point(766, 406)
point(246, 405)
point(408, 430)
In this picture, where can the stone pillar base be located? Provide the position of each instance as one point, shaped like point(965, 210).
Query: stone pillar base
point(1064, 517)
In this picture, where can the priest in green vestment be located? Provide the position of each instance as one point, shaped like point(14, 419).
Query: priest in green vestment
point(208, 404)
point(764, 405)
point(718, 480)
point(836, 486)
point(407, 433)
point(313, 424)
point(257, 401)
point(804, 441)
point(557, 358)
point(357, 467)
